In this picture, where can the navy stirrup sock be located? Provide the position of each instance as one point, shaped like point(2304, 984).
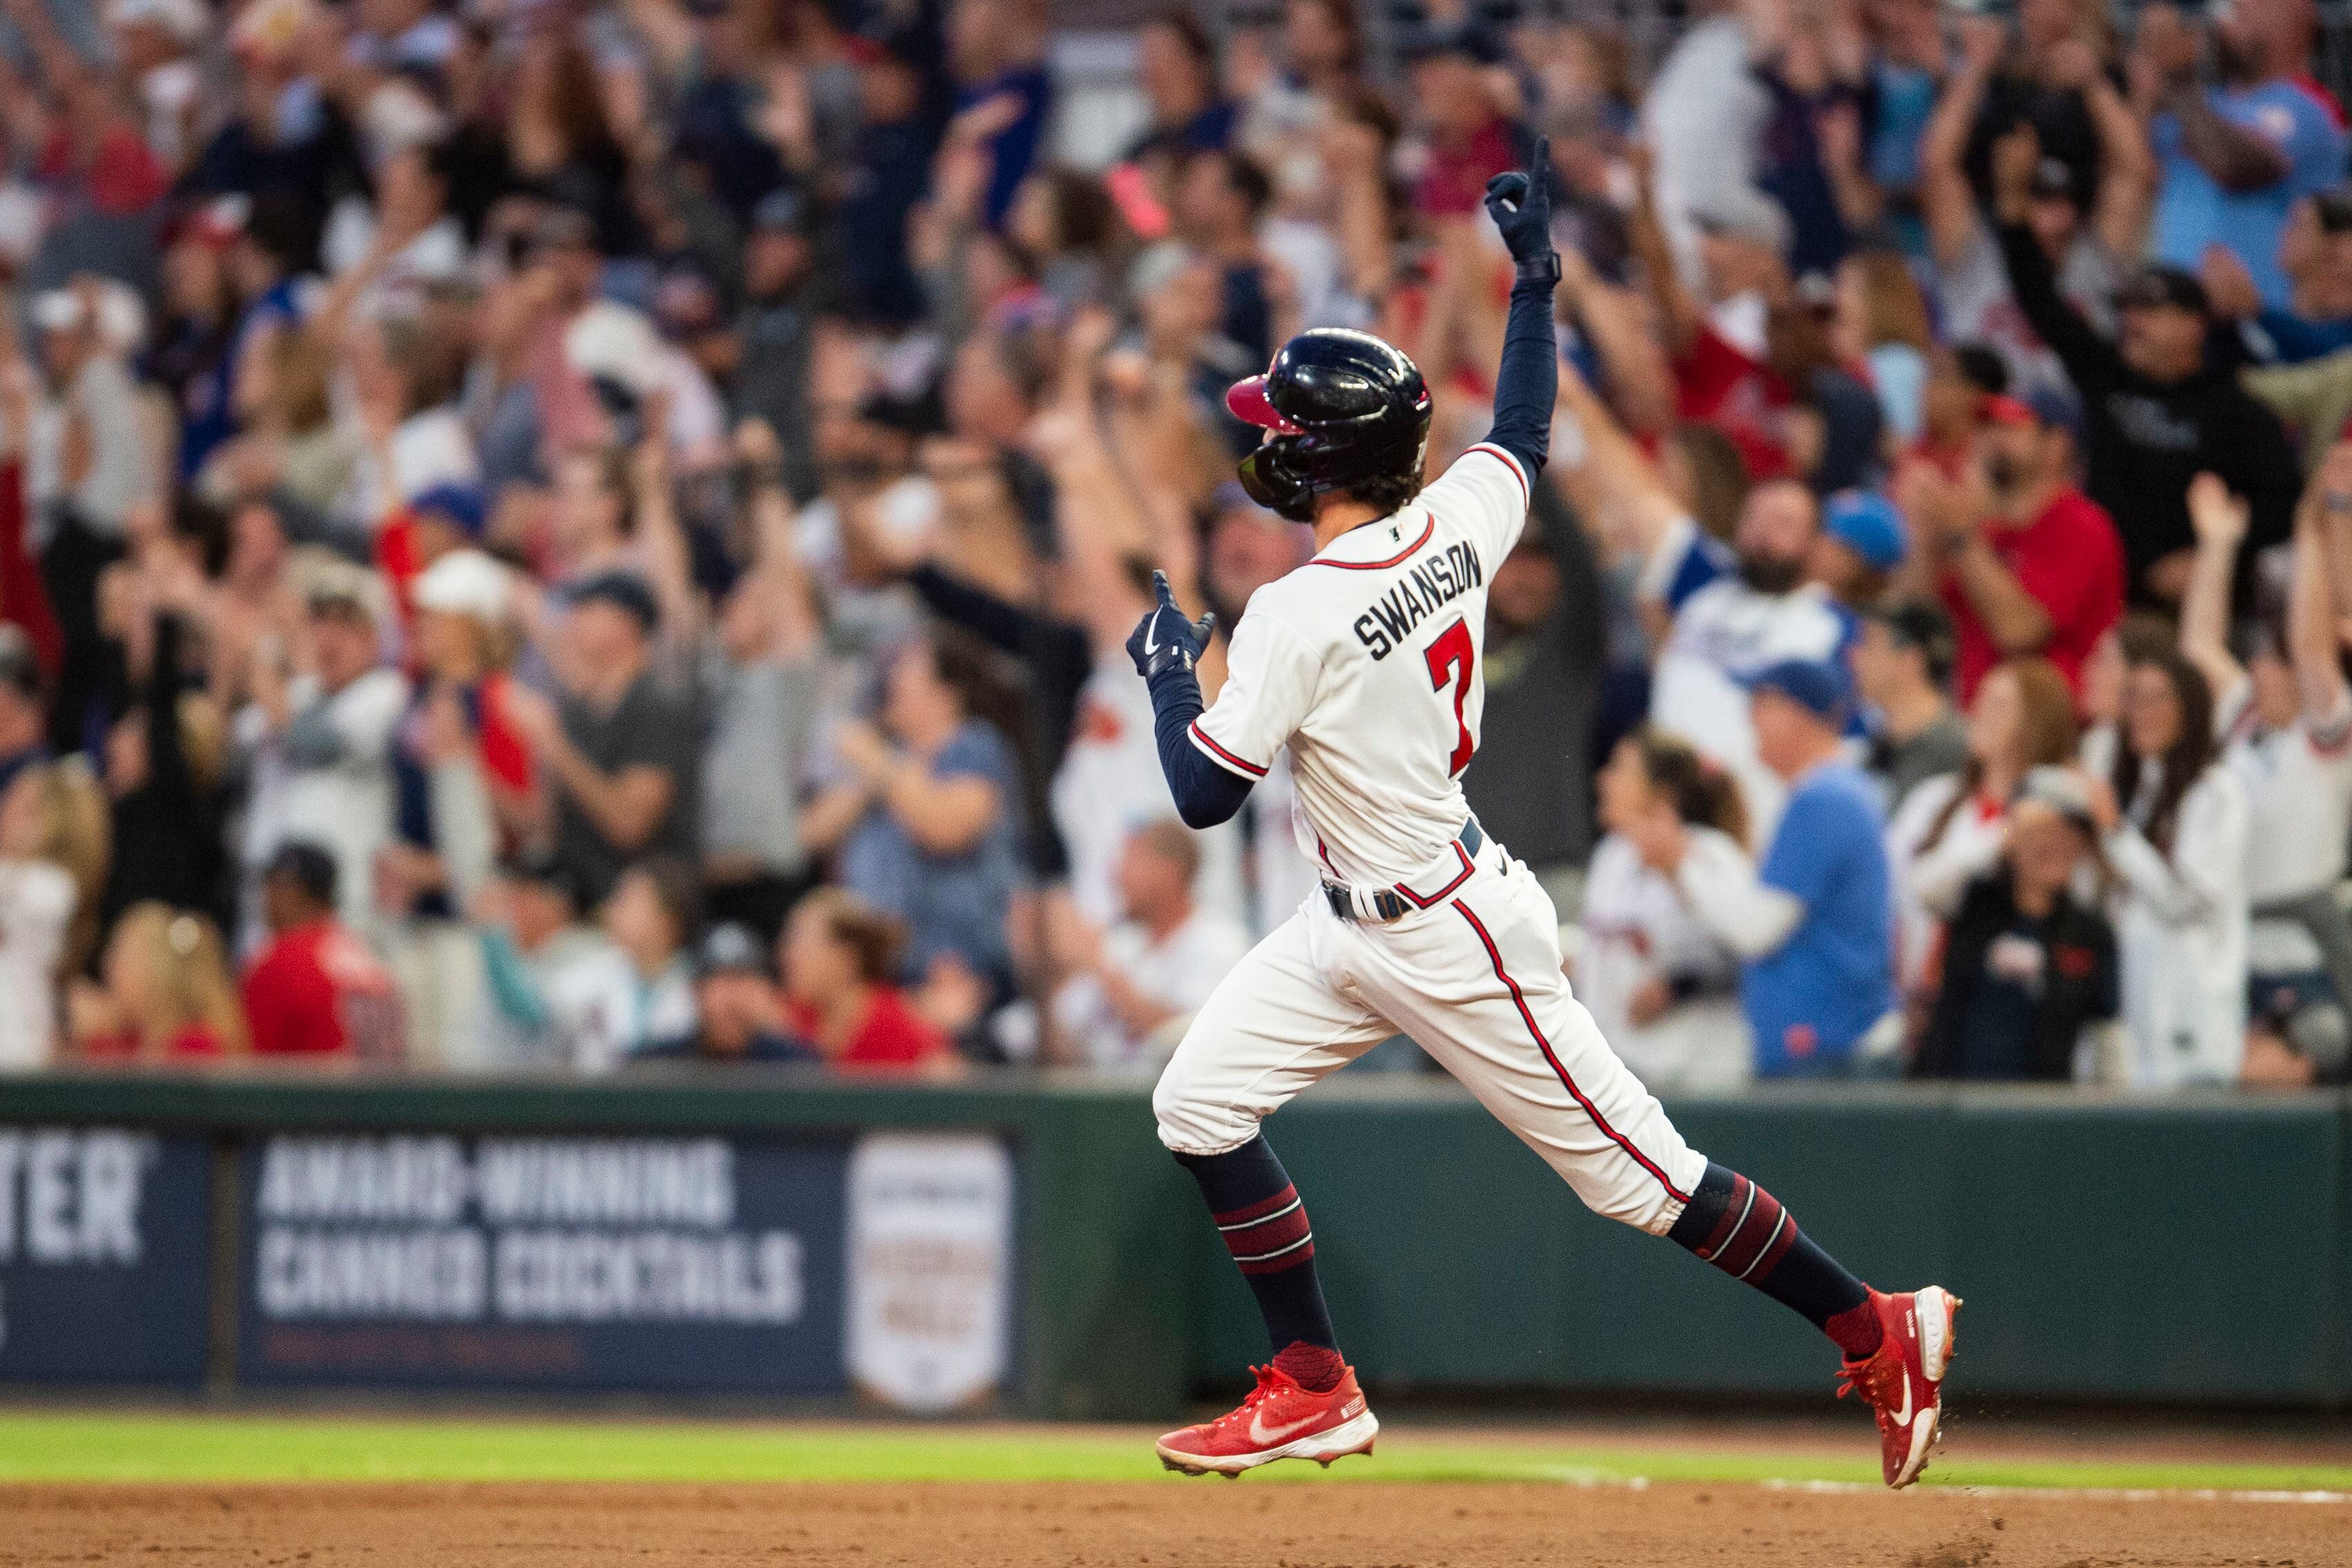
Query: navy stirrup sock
point(1742, 1230)
point(1264, 1224)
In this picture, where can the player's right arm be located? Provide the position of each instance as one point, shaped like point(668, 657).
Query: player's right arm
point(1527, 382)
point(1487, 488)
point(1210, 759)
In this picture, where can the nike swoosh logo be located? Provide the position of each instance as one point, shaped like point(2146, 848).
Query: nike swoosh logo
point(1151, 636)
point(1260, 1433)
point(1902, 1416)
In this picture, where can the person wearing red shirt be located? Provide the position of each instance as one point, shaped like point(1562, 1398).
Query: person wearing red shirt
point(163, 992)
point(838, 952)
point(1717, 383)
point(315, 989)
point(462, 604)
point(2026, 563)
point(1470, 141)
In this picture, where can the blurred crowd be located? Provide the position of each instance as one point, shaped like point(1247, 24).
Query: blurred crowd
point(565, 532)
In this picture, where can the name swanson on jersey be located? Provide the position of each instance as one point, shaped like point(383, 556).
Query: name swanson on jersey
point(1428, 585)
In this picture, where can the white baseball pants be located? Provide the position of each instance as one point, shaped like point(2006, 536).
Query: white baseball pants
point(1474, 978)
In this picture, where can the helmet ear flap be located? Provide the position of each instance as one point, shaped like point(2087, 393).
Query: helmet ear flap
point(1275, 484)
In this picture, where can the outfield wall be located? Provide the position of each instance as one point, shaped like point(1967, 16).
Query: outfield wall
point(1024, 1244)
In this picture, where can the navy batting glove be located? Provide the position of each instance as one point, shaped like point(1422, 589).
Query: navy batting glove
point(1164, 640)
point(1521, 205)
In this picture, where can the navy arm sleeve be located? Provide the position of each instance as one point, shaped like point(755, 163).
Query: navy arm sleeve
point(1205, 794)
point(1527, 383)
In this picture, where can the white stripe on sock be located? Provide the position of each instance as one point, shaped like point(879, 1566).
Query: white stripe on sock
point(1765, 1249)
point(1263, 1218)
point(1263, 1257)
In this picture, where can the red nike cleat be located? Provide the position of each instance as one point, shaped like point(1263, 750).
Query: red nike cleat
point(1279, 1420)
point(1904, 1377)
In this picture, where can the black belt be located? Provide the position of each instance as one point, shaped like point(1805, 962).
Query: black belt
point(1389, 903)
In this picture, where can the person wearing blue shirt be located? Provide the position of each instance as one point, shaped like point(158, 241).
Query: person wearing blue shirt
point(2316, 254)
point(1003, 95)
point(1813, 926)
point(2235, 157)
point(921, 817)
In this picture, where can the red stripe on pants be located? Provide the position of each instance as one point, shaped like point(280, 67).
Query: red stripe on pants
point(1494, 955)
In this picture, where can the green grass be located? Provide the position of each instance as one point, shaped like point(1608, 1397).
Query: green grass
point(61, 1446)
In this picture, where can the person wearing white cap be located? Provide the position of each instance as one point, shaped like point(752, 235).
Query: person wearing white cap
point(453, 760)
point(155, 40)
point(87, 464)
point(88, 458)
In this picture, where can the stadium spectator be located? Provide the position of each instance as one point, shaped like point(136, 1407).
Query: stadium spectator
point(560, 994)
point(1663, 988)
point(86, 473)
point(321, 741)
point(2315, 252)
point(1543, 650)
point(1861, 544)
point(650, 916)
point(2025, 562)
point(1730, 611)
point(2235, 156)
point(738, 1011)
point(1465, 136)
point(23, 717)
point(315, 989)
point(2284, 719)
point(2172, 820)
point(1176, 67)
point(616, 754)
point(2087, 196)
point(774, 333)
point(1132, 988)
point(164, 994)
point(920, 818)
point(837, 955)
point(2026, 966)
point(46, 826)
point(1705, 113)
point(162, 759)
point(1902, 663)
point(760, 671)
point(1761, 360)
point(1812, 922)
point(1949, 830)
point(1882, 322)
point(2154, 415)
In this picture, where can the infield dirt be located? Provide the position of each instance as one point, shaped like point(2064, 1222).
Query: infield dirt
point(1203, 1524)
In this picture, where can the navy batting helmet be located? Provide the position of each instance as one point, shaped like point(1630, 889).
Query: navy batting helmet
point(1346, 411)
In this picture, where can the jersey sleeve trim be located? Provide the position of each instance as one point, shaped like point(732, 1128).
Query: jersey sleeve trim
point(1221, 756)
point(1518, 472)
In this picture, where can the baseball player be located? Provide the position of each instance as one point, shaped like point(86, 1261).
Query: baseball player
point(1365, 663)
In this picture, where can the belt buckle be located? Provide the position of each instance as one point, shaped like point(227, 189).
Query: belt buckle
point(1341, 904)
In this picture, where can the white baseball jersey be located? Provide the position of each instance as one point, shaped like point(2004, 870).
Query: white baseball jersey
point(1366, 663)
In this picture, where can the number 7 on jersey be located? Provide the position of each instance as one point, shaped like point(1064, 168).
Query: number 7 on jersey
point(1452, 656)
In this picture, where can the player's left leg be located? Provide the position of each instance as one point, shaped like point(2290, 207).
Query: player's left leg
point(1273, 1027)
point(1479, 983)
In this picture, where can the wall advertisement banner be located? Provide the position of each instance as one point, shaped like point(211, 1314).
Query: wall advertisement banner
point(654, 1264)
point(105, 1242)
